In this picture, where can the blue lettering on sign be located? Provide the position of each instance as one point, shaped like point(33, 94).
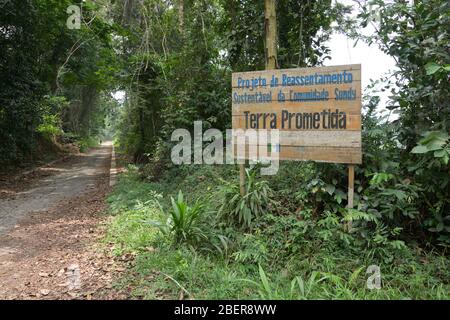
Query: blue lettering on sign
point(317, 79)
point(349, 94)
point(257, 97)
point(286, 80)
point(251, 83)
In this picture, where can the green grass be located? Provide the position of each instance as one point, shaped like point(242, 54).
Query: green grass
point(296, 261)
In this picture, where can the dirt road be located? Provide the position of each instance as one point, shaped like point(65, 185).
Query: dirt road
point(49, 233)
point(71, 180)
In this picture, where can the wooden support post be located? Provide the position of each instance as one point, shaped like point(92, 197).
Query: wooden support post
point(351, 185)
point(351, 191)
point(242, 179)
point(271, 34)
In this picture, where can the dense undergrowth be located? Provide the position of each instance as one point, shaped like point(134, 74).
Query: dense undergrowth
point(288, 251)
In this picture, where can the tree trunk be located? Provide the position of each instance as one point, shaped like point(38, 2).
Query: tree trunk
point(271, 34)
point(181, 16)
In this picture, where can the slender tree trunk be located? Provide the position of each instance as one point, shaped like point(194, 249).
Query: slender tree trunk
point(271, 34)
point(181, 16)
point(271, 57)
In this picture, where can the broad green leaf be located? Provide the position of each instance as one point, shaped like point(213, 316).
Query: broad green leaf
point(440, 153)
point(330, 188)
point(419, 149)
point(445, 158)
point(432, 68)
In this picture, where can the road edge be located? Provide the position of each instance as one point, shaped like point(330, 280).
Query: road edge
point(113, 168)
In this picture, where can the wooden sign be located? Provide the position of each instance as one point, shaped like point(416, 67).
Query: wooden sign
point(317, 110)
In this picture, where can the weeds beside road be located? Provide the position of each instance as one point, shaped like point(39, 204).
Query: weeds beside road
point(297, 256)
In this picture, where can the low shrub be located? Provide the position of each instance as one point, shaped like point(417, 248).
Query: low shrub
point(242, 210)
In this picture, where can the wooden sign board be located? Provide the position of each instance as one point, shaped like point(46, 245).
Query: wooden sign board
point(317, 110)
